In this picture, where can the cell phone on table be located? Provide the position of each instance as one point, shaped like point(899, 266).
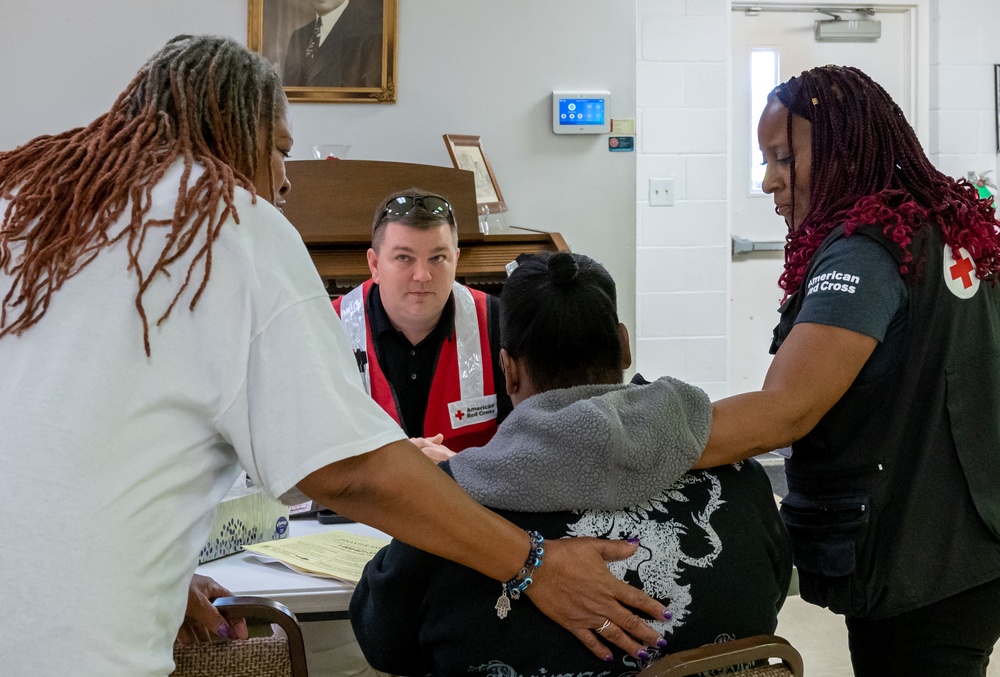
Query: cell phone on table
point(325, 516)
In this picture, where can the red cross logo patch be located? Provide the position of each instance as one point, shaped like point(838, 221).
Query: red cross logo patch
point(472, 411)
point(960, 273)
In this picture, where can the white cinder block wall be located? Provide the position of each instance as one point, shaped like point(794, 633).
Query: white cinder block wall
point(965, 45)
point(682, 252)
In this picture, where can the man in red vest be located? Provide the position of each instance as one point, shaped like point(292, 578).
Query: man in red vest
point(427, 347)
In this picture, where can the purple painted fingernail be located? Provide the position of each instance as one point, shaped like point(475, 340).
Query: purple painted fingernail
point(661, 642)
point(667, 616)
point(633, 540)
point(223, 631)
point(642, 654)
point(609, 659)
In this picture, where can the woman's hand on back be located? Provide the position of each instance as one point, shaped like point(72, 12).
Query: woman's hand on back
point(575, 589)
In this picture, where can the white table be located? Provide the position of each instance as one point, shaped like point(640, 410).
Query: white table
point(310, 598)
point(320, 604)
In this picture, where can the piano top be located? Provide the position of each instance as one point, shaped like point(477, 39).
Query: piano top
point(333, 203)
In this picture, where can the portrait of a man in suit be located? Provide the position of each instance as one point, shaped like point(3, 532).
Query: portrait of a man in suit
point(328, 50)
point(340, 45)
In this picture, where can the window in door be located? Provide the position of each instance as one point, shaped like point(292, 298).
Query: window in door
point(763, 78)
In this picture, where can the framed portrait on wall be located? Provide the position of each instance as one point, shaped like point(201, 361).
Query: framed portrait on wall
point(467, 153)
point(328, 50)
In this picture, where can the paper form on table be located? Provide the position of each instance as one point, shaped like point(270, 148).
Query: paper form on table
point(331, 554)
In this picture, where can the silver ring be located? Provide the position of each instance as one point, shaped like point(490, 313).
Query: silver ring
point(603, 627)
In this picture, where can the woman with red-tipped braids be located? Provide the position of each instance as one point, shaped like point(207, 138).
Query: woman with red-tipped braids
point(885, 380)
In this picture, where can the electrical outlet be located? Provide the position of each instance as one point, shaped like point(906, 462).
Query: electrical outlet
point(661, 192)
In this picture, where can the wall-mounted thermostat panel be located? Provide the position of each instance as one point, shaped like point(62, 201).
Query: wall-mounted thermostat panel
point(581, 112)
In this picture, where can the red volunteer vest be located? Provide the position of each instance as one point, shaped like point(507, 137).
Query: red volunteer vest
point(462, 403)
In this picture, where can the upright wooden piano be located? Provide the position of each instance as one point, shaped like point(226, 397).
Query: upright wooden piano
point(333, 203)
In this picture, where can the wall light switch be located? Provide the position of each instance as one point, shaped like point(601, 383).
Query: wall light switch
point(661, 192)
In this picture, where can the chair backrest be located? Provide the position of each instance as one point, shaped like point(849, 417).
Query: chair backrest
point(274, 656)
point(748, 657)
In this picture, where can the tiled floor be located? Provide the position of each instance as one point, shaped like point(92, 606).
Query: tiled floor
point(821, 638)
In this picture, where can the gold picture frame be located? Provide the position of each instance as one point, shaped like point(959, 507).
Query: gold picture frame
point(359, 67)
point(467, 153)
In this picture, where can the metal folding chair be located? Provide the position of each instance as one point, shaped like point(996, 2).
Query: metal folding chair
point(748, 657)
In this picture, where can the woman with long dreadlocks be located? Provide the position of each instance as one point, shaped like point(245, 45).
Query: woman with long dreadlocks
point(884, 381)
point(160, 326)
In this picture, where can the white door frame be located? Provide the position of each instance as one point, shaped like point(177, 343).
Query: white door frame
point(918, 21)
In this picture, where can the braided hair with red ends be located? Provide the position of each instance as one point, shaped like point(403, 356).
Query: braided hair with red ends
point(869, 168)
point(205, 100)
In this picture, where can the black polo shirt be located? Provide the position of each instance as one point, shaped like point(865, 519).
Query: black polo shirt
point(409, 368)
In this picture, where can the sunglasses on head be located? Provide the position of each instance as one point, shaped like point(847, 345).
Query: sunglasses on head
point(399, 207)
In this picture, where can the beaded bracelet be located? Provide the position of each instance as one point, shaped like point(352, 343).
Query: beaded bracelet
point(522, 580)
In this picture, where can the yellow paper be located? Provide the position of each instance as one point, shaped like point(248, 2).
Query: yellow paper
point(331, 554)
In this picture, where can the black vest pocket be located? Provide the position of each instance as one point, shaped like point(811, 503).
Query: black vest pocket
point(825, 532)
point(974, 409)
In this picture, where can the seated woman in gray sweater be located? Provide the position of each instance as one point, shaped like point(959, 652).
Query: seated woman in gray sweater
point(583, 454)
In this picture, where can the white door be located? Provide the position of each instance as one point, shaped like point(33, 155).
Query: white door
point(890, 61)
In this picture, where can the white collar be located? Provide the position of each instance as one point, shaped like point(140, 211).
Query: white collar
point(330, 20)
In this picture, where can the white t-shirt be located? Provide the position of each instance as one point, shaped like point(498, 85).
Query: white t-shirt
point(112, 463)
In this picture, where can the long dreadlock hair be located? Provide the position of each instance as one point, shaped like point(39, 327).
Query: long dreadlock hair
point(869, 168)
point(204, 99)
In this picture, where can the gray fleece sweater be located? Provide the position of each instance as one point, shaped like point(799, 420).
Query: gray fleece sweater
point(600, 447)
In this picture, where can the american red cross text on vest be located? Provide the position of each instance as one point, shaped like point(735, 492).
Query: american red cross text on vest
point(962, 269)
